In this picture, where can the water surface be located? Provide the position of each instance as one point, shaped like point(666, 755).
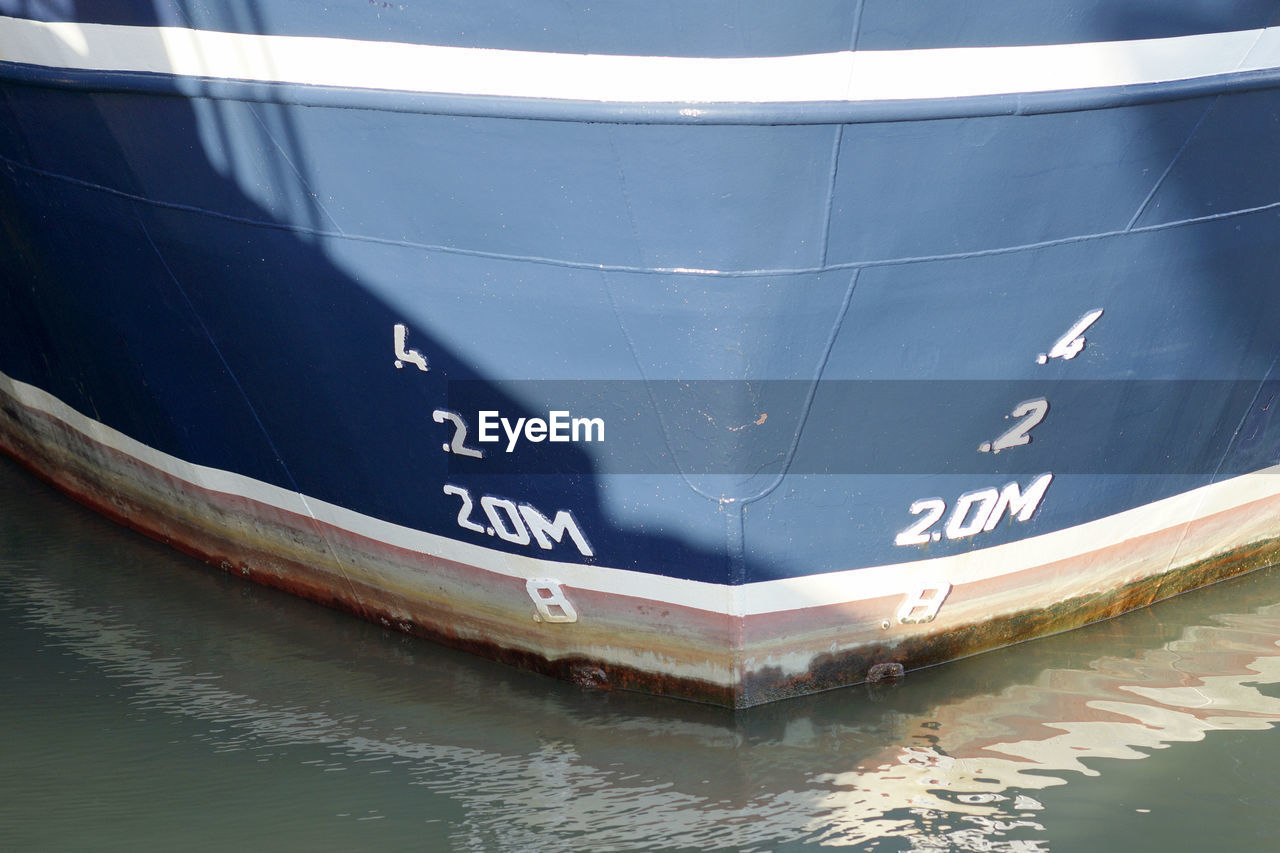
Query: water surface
point(153, 703)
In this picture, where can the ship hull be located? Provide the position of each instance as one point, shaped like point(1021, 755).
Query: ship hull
point(827, 387)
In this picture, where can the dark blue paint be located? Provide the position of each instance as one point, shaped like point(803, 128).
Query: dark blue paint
point(680, 27)
point(653, 27)
point(219, 279)
point(895, 25)
point(1065, 174)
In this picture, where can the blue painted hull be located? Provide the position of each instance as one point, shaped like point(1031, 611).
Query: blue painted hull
point(794, 326)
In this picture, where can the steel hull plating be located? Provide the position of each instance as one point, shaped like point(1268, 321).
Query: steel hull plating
point(891, 373)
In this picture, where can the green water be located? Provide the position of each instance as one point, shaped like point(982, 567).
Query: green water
point(150, 703)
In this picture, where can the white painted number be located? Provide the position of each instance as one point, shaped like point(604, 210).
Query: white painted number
point(403, 355)
point(933, 508)
point(550, 600)
point(1031, 413)
point(971, 512)
point(974, 512)
point(464, 514)
point(459, 443)
point(494, 510)
point(1069, 345)
point(519, 524)
point(923, 604)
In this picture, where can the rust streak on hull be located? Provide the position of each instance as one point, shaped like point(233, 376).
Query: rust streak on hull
point(620, 642)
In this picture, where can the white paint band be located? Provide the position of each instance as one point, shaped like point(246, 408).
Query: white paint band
point(829, 77)
point(750, 599)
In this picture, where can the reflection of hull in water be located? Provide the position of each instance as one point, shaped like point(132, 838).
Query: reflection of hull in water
point(251, 321)
point(946, 763)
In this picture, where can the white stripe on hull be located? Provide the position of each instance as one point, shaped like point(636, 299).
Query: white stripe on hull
point(848, 76)
point(1169, 516)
